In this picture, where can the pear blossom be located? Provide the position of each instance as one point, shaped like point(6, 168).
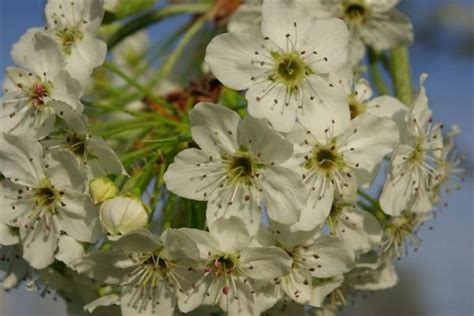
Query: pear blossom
point(40, 91)
point(147, 269)
point(332, 161)
point(231, 265)
point(359, 97)
point(284, 69)
point(237, 168)
point(122, 214)
point(359, 229)
point(449, 167)
point(92, 153)
point(73, 26)
point(400, 232)
point(371, 23)
point(316, 258)
point(43, 197)
point(407, 185)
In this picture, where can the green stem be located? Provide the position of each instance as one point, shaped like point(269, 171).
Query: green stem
point(147, 19)
point(177, 139)
point(400, 70)
point(368, 197)
point(134, 155)
point(175, 56)
point(375, 72)
point(132, 82)
point(127, 127)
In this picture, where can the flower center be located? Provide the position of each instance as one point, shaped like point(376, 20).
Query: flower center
point(68, 37)
point(290, 69)
point(46, 196)
point(241, 167)
point(356, 108)
point(222, 265)
point(76, 143)
point(325, 158)
point(38, 94)
point(355, 11)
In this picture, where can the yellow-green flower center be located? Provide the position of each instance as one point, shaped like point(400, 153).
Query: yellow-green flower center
point(325, 158)
point(354, 11)
point(290, 69)
point(68, 37)
point(356, 108)
point(46, 196)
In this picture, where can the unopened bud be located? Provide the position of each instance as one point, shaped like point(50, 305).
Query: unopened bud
point(102, 189)
point(121, 215)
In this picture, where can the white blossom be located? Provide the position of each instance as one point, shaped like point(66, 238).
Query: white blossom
point(43, 196)
point(92, 153)
point(317, 262)
point(231, 265)
point(147, 269)
point(371, 23)
point(40, 91)
point(407, 185)
point(284, 69)
point(331, 160)
point(73, 25)
point(237, 168)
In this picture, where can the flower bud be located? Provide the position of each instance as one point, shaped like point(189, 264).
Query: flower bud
point(121, 215)
point(102, 189)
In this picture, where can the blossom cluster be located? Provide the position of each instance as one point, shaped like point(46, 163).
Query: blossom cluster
point(290, 226)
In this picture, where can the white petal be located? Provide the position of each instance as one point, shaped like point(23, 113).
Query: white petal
point(269, 100)
point(318, 205)
point(192, 175)
point(283, 194)
point(419, 115)
point(67, 90)
point(39, 245)
point(214, 128)
point(263, 141)
point(204, 241)
point(323, 289)
point(140, 240)
point(297, 286)
point(327, 45)
point(362, 90)
point(231, 233)
point(132, 306)
point(106, 155)
point(74, 120)
point(265, 263)
point(70, 251)
point(108, 300)
point(329, 257)
point(280, 18)
point(64, 172)
point(20, 48)
point(359, 229)
point(8, 235)
point(78, 217)
point(21, 158)
point(392, 30)
point(230, 57)
point(10, 206)
point(86, 55)
point(44, 56)
point(240, 302)
point(240, 202)
point(368, 140)
point(325, 107)
point(179, 245)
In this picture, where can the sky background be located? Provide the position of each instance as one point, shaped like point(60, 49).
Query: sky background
point(436, 280)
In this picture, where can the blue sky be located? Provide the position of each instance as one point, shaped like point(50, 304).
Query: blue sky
point(438, 279)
